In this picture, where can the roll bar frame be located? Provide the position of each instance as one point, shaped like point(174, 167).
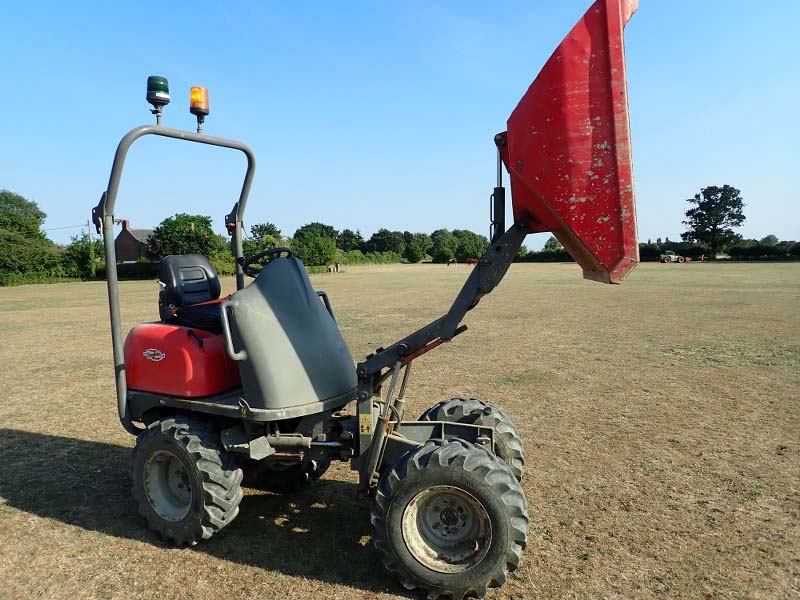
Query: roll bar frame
point(103, 219)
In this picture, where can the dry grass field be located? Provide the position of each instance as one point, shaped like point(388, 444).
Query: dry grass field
point(661, 422)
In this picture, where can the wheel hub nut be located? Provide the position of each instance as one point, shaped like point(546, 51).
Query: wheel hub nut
point(449, 517)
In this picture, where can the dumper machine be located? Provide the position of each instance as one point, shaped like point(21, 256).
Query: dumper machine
point(259, 387)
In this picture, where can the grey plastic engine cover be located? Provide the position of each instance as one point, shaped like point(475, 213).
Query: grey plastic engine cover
point(295, 353)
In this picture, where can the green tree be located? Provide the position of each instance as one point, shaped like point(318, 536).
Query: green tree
point(416, 246)
point(314, 250)
point(444, 246)
point(349, 240)
point(260, 231)
point(23, 246)
point(384, 240)
point(315, 244)
point(716, 211)
point(470, 244)
point(263, 236)
point(316, 229)
point(747, 243)
point(20, 253)
point(552, 245)
point(770, 240)
point(649, 251)
point(80, 257)
point(20, 215)
point(184, 234)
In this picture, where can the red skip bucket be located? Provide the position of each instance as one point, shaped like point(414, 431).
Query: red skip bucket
point(568, 150)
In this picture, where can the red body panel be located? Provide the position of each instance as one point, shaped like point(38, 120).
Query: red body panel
point(166, 359)
point(568, 147)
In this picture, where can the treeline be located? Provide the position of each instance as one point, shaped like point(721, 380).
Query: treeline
point(27, 256)
point(653, 251)
point(553, 251)
point(316, 244)
point(767, 248)
point(319, 244)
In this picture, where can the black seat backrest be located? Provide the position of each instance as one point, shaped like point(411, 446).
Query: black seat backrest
point(187, 279)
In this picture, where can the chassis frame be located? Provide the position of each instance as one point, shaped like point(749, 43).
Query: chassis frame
point(376, 435)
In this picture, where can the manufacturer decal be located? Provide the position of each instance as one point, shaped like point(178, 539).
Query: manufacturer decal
point(365, 424)
point(154, 354)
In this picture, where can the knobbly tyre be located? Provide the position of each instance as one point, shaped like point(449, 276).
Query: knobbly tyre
point(259, 387)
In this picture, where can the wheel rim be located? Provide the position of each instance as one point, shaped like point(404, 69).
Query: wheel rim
point(446, 529)
point(167, 486)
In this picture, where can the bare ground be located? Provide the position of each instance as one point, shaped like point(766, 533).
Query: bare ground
point(661, 423)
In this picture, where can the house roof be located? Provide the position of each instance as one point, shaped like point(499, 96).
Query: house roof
point(141, 234)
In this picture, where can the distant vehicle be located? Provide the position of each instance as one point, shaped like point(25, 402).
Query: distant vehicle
point(669, 257)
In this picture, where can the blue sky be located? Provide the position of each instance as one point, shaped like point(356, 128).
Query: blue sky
point(368, 115)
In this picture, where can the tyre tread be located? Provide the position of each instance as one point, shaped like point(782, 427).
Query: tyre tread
point(471, 410)
point(219, 476)
point(455, 453)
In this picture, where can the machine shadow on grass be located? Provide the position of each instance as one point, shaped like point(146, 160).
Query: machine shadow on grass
point(318, 533)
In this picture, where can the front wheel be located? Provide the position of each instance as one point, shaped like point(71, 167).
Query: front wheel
point(186, 485)
point(474, 411)
point(450, 518)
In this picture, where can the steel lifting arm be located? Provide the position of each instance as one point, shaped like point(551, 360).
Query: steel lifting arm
point(486, 275)
point(489, 271)
point(567, 151)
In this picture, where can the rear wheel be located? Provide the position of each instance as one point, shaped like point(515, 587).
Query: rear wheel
point(450, 518)
point(186, 486)
point(474, 411)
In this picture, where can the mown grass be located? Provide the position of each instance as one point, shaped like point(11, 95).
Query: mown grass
point(660, 422)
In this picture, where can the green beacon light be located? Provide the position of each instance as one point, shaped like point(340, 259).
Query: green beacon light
point(157, 94)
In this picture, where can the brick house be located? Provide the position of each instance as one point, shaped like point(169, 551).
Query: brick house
point(131, 244)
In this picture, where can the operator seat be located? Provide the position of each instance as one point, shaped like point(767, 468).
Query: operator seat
point(189, 292)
